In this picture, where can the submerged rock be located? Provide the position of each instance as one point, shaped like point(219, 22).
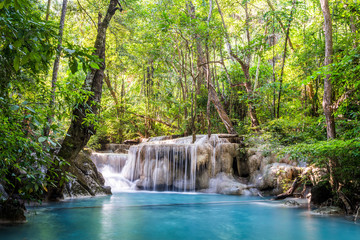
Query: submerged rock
point(329, 210)
point(86, 179)
point(291, 203)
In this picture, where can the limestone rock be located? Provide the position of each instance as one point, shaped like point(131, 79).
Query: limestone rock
point(226, 184)
point(87, 180)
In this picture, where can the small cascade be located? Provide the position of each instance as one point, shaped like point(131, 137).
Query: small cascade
point(111, 165)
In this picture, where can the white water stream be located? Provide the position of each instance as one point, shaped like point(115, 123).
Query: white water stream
point(165, 165)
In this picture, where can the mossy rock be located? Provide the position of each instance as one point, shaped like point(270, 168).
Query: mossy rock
point(86, 179)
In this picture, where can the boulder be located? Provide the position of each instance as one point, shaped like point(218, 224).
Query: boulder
point(271, 176)
point(86, 179)
point(226, 184)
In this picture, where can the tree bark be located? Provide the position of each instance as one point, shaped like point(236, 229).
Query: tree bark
point(327, 99)
point(56, 65)
point(284, 58)
point(48, 10)
point(79, 132)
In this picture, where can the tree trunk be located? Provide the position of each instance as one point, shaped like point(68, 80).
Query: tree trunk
point(280, 22)
point(284, 58)
point(327, 99)
point(48, 10)
point(56, 66)
point(327, 105)
point(81, 130)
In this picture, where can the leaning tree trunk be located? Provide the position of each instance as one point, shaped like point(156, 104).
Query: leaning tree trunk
point(80, 129)
point(245, 67)
point(202, 70)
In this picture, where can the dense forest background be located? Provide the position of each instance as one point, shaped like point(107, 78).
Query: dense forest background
point(285, 70)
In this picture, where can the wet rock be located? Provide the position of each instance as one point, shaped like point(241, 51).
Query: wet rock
point(291, 203)
point(86, 179)
point(329, 210)
point(3, 193)
point(226, 184)
point(271, 176)
point(117, 148)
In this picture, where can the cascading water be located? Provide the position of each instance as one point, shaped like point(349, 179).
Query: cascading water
point(111, 165)
point(164, 164)
point(167, 166)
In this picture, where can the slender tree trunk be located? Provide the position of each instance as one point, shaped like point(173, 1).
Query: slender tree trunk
point(80, 129)
point(327, 99)
point(273, 72)
point(48, 10)
point(56, 67)
point(281, 24)
point(284, 58)
point(114, 95)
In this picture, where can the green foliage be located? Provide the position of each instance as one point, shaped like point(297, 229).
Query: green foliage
point(288, 131)
point(26, 158)
point(345, 152)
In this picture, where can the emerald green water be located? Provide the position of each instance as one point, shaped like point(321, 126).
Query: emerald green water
point(145, 215)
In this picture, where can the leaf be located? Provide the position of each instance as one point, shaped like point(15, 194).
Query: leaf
point(16, 63)
point(94, 65)
point(30, 109)
point(70, 51)
point(44, 187)
point(73, 66)
point(14, 107)
point(42, 139)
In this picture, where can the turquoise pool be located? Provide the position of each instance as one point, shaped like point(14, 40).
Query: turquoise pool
point(154, 215)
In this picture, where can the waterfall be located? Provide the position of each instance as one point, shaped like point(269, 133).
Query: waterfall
point(163, 167)
point(111, 165)
point(163, 164)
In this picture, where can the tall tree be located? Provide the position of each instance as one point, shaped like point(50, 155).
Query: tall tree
point(80, 129)
point(327, 99)
point(335, 180)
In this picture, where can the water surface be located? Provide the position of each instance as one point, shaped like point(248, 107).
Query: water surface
point(154, 215)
